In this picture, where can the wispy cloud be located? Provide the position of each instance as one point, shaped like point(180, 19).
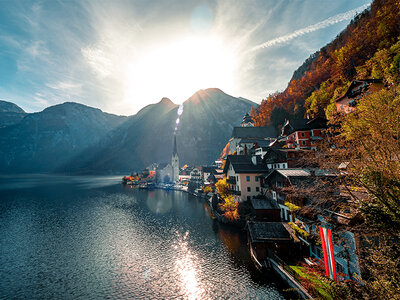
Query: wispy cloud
point(320, 25)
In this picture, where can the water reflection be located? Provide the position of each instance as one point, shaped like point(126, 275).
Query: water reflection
point(92, 238)
point(158, 203)
point(186, 265)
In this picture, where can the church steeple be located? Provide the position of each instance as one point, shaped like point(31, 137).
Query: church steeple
point(175, 152)
point(175, 162)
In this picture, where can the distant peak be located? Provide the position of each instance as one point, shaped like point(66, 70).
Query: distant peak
point(6, 106)
point(166, 101)
point(209, 91)
point(214, 90)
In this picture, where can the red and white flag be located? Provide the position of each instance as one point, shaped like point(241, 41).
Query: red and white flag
point(327, 248)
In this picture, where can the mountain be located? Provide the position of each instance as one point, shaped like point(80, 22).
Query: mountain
point(10, 113)
point(42, 141)
point(368, 48)
point(205, 125)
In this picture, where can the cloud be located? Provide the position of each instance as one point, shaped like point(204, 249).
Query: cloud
point(37, 48)
point(320, 25)
point(66, 87)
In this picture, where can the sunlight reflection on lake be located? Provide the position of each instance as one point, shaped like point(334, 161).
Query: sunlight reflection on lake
point(90, 238)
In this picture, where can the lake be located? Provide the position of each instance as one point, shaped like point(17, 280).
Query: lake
point(70, 237)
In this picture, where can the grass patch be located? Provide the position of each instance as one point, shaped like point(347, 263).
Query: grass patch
point(321, 287)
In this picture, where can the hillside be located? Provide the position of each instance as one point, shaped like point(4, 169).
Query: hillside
point(41, 141)
point(366, 48)
point(205, 125)
point(10, 113)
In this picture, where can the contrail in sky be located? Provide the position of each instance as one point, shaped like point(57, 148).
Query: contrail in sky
point(323, 24)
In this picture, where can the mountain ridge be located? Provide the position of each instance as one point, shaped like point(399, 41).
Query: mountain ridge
point(75, 138)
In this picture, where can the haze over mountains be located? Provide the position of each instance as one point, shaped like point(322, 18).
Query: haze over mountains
point(74, 138)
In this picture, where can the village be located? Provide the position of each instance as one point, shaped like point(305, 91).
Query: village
point(266, 183)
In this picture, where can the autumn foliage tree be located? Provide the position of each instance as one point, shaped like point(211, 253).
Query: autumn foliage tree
point(329, 71)
point(229, 206)
point(368, 142)
point(222, 187)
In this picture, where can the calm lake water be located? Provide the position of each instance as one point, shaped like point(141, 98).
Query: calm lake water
point(90, 237)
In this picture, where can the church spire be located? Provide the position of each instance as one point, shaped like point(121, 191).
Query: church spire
point(175, 152)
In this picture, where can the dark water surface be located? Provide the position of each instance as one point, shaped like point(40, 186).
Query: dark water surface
point(90, 237)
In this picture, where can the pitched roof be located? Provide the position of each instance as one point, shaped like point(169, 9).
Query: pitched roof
point(294, 172)
point(354, 83)
point(244, 164)
point(254, 132)
point(293, 125)
point(264, 203)
point(209, 169)
point(293, 175)
point(267, 232)
point(301, 176)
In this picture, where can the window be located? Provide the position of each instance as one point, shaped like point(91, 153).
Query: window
point(257, 189)
point(247, 178)
point(248, 197)
point(303, 143)
point(274, 195)
point(303, 134)
point(256, 178)
point(249, 189)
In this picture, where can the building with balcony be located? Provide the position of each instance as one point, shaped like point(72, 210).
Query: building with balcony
point(242, 173)
point(304, 134)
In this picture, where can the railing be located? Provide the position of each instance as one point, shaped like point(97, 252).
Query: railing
point(280, 262)
point(233, 192)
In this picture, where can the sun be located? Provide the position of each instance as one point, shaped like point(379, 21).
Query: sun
point(180, 68)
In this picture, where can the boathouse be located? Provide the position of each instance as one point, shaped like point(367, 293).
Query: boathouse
point(264, 236)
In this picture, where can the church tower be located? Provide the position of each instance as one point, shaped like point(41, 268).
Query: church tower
point(175, 163)
point(247, 121)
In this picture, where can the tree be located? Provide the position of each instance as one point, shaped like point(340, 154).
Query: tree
point(230, 207)
point(222, 187)
point(369, 142)
point(207, 189)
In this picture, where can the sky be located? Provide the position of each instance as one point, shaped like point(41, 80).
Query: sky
point(120, 56)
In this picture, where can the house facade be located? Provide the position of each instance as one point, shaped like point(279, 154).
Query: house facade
point(304, 134)
point(357, 89)
point(242, 173)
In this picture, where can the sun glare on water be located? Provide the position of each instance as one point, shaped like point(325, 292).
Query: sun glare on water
point(178, 69)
